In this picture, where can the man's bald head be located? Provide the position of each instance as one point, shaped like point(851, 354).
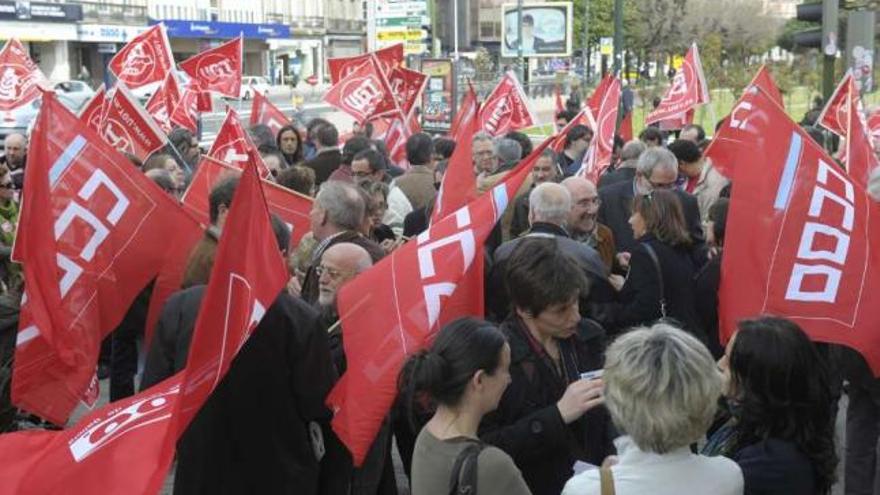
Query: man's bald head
point(15, 147)
point(339, 264)
point(549, 202)
point(584, 205)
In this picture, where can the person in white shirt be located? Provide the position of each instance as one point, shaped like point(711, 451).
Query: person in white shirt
point(661, 388)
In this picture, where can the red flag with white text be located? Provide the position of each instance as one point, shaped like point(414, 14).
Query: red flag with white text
point(802, 236)
point(163, 101)
point(459, 184)
point(598, 155)
point(264, 112)
point(233, 145)
point(688, 89)
point(764, 80)
point(506, 108)
point(20, 77)
point(395, 308)
point(594, 103)
point(92, 234)
point(834, 116)
point(406, 85)
point(93, 111)
point(146, 59)
point(387, 59)
point(128, 128)
point(186, 113)
point(861, 157)
point(364, 93)
point(127, 446)
point(218, 69)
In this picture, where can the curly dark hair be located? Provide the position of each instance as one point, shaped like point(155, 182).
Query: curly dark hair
point(783, 389)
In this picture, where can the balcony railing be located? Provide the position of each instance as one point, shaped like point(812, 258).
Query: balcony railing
point(102, 13)
point(346, 25)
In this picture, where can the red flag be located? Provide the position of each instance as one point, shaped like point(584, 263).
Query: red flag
point(560, 106)
point(144, 60)
point(688, 90)
point(834, 116)
point(233, 145)
point(584, 117)
point(801, 236)
point(598, 155)
point(406, 85)
point(595, 101)
point(128, 128)
point(163, 101)
point(93, 112)
point(626, 128)
point(387, 59)
point(218, 69)
point(186, 113)
point(678, 122)
point(861, 158)
point(506, 108)
point(264, 112)
point(127, 446)
point(459, 184)
point(466, 111)
point(764, 80)
point(364, 93)
point(290, 206)
point(92, 234)
point(20, 78)
point(395, 308)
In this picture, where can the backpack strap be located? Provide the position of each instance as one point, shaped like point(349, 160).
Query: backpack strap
point(463, 480)
point(653, 255)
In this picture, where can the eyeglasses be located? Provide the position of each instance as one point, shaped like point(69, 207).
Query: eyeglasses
point(8, 185)
point(334, 274)
point(590, 202)
point(662, 185)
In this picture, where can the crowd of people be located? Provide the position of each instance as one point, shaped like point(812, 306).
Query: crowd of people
point(597, 367)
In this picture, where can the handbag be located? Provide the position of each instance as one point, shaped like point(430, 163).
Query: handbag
point(664, 318)
point(606, 481)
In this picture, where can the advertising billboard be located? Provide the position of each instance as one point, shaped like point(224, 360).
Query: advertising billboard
point(439, 97)
point(546, 30)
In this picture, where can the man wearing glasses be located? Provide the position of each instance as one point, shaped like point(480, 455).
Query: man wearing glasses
point(657, 168)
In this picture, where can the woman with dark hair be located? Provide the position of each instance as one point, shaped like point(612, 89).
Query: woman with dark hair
point(660, 282)
point(709, 277)
point(290, 144)
point(464, 373)
point(781, 427)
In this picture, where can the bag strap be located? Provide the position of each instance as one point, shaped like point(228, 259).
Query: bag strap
point(463, 480)
point(656, 260)
point(606, 481)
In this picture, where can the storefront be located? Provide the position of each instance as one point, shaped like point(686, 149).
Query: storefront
point(293, 61)
point(47, 29)
point(95, 46)
point(191, 37)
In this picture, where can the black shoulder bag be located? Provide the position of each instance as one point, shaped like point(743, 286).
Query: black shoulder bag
point(463, 480)
point(664, 318)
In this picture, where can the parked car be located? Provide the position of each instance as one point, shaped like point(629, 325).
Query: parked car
point(77, 91)
point(249, 84)
point(22, 118)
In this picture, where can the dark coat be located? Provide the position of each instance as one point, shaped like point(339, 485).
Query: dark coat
point(620, 174)
point(527, 424)
point(617, 201)
point(415, 222)
point(252, 434)
point(775, 467)
point(324, 164)
point(520, 221)
point(639, 300)
point(310, 281)
point(706, 292)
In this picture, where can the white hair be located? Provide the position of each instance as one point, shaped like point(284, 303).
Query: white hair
point(656, 157)
point(550, 202)
point(661, 387)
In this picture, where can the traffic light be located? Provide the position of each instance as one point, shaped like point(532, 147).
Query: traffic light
point(825, 36)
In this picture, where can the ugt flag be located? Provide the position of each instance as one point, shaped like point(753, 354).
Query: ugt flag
point(20, 78)
point(218, 69)
point(688, 90)
point(506, 108)
point(146, 59)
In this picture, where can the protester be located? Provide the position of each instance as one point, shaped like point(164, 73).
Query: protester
point(415, 188)
point(337, 216)
point(660, 281)
point(274, 161)
point(661, 388)
point(290, 144)
point(525, 143)
point(368, 166)
point(582, 224)
point(327, 156)
point(781, 431)
point(577, 140)
point(657, 169)
point(443, 148)
point(263, 138)
point(464, 372)
point(543, 171)
point(310, 147)
point(164, 180)
point(703, 180)
point(483, 151)
point(550, 206)
point(626, 170)
point(187, 146)
point(351, 148)
point(15, 157)
point(564, 117)
point(548, 417)
point(376, 195)
point(417, 221)
point(708, 278)
point(861, 466)
point(652, 137)
point(161, 161)
point(9, 211)
point(693, 133)
point(298, 178)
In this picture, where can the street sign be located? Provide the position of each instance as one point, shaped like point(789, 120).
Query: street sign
point(606, 46)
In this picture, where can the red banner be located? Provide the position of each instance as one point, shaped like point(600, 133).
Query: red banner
point(387, 59)
point(127, 446)
point(595, 101)
point(264, 112)
point(20, 77)
point(92, 234)
point(459, 185)
point(584, 117)
point(688, 90)
point(128, 128)
point(406, 85)
point(162, 103)
point(861, 158)
point(144, 60)
point(764, 80)
point(186, 113)
point(469, 107)
point(218, 69)
point(598, 155)
point(506, 108)
point(363, 93)
point(290, 206)
point(233, 145)
point(834, 116)
point(92, 113)
point(801, 235)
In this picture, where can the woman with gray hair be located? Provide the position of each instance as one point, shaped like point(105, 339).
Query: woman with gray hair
point(661, 388)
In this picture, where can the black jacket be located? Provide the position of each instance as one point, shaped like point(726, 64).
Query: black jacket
point(527, 424)
point(520, 221)
point(776, 467)
point(706, 292)
point(324, 163)
point(620, 174)
point(252, 434)
point(639, 300)
point(617, 201)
